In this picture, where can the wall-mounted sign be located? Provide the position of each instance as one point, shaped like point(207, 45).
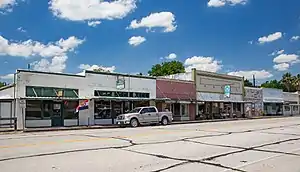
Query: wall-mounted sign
point(120, 83)
point(22, 103)
point(218, 97)
point(227, 91)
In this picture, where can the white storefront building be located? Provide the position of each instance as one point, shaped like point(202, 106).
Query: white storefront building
point(291, 103)
point(50, 99)
point(273, 101)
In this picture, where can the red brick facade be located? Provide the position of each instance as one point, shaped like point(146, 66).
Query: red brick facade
point(175, 89)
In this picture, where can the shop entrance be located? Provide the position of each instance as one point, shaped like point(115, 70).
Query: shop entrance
point(57, 116)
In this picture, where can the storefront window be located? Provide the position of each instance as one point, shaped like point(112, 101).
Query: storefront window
point(176, 112)
point(47, 109)
point(141, 104)
point(184, 109)
point(102, 110)
point(33, 110)
point(70, 93)
point(118, 109)
point(30, 92)
point(50, 92)
point(215, 108)
point(295, 108)
point(70, 109)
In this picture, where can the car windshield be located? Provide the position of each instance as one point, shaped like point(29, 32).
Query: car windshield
point(135, 110)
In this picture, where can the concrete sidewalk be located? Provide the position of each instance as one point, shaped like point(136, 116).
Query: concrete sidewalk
point(3, 131)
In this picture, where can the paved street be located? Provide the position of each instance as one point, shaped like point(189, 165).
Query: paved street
point(267, 145)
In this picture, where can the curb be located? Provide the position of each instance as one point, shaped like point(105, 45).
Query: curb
point(31, 130)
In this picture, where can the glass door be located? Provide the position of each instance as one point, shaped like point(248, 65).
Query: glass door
point(57, 117)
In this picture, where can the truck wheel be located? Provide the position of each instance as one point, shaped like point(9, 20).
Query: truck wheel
point(134, 123)
point(164, 121)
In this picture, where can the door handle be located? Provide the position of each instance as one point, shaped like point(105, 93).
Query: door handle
point(149, 114)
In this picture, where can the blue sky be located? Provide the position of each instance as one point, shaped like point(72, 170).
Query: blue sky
point(129, 36)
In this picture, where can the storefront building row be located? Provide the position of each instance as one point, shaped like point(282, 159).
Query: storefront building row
point(178, 96)
point(41, 99)
point(50, 99)
point(218, 95)
point(253, 101)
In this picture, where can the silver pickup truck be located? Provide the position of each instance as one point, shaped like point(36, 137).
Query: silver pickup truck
point(144, 115)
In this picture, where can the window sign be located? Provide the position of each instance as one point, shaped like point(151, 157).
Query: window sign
point(227, 91)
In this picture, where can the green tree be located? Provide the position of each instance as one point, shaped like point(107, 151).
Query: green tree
point(273, 84)
point(288, 82)
point(167, 68)
point(2, 84)
point(247, 83)
point(296, 82)
point(101, 70)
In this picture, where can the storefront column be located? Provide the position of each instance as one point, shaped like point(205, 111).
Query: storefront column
point(192, 111)
point(20, 114)
point(242, 109)
point(211, 110)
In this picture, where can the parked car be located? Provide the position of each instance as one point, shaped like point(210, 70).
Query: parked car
point(143, 116)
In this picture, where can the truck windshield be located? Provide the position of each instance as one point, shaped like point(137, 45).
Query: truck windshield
point(135, 110)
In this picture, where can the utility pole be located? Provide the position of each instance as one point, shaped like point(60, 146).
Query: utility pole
point(254, 81)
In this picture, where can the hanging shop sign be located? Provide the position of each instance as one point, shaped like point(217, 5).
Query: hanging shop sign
point(227, 91)
point(120, 83)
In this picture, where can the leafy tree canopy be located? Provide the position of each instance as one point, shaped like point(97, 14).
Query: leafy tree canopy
point(247, 83)
point(101, 70)
point(2, 84)
point(288, 83)
point(167, 68)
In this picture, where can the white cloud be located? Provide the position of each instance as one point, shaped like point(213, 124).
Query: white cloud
point(286, 58)
point(165, 20)
point(277, 52)
point(281, 66)
point(34, 48)
point(295, 38)
point(136, 40)
point(262, 74)
point(250, 42)
point(221, 3)
point(203, 63)
point(91, 10)
point(7, 5)
point(93, 23)
point(8, 76)
point(270, 38)
point(171, 56)
point(57, 64)
point(93, 67)
point(285, 61)
point(21, 29)
point(280, 51)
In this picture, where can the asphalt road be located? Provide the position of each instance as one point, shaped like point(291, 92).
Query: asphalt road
point(266, 145)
